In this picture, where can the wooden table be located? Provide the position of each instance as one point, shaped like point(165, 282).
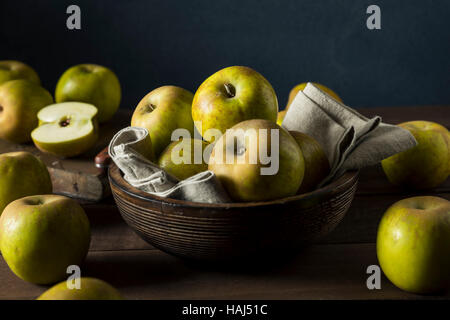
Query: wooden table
point(335, 268)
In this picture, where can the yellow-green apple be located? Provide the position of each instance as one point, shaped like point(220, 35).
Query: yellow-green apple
point(22, 174)
point(302, 86)
point(66, 129)
point(20, 101)
point(90, 289)
point(40, 236)
point(280, 117)
point(162, 111)
point(92, 84)
point(257, 160)
point(413, 244)
point(230, 96)
point(317, 166)
point(425, 166)
point(14, 70)
point(184, 158)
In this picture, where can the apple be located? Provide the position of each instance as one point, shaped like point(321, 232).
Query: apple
point(425, 166)
point(20, 101)
point(162, 111)
point(302, 86)
point(14, 70)
point(92, 84)
point(317, 166)
point(237, 161)
point(40, 236)
point(90, 289)
point(66, 129)
point(22, 174)
point(280, 117)
point(413, 244)
point(230, 96)
point(178, 159)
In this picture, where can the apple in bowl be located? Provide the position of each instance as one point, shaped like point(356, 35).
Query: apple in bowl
point(257, 160)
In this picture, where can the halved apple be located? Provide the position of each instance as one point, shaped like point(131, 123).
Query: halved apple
point(66, 129)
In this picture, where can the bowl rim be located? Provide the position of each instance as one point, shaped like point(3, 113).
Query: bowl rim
point(340, 184)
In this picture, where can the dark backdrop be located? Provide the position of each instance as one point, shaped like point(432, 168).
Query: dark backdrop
point(150, 43)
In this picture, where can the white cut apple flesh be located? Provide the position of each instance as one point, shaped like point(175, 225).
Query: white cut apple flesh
point(66, 129)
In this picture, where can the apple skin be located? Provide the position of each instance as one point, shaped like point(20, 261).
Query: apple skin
point(90, 289)
point(183, 170)
point(425, 166)
point(92, 84)
point(413, 244)
point(40, 236)
point(249, 96)
point(280, 117)
point(317, 166)
point(14, 70)
point(22, 174)
point(302, 86)
point(20, 101)
point(244, 181)
point(161, 112)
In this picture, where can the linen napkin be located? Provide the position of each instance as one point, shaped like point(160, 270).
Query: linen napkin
point(350, 140)
point(130, 149)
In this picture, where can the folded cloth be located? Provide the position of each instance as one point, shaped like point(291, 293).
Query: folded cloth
point(350, 140)
point(130, 150)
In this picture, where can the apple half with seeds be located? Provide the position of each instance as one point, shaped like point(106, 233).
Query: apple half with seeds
point(66, 129)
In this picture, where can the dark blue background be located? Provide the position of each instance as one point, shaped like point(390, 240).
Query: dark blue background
point(153, 43)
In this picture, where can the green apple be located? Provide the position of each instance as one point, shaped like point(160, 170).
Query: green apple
point(40, 236)
point(22, 174)
point(237, 160)
point(230, 96)
point(162, 111)
point(413, 244)
point(92, 84)
point(14, 70)
point(425, 166)
point(179, 160)
point(66, 129)
point(20, 101)
point(90, 289)
point(317, 166)
point(302, 86)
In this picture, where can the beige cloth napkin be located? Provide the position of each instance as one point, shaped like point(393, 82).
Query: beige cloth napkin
point(350, 140)
point(130, 149)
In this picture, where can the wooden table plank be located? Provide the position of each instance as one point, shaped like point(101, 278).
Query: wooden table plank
point(319, 272)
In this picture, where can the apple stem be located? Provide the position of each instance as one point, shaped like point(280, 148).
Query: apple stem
point(229, 88)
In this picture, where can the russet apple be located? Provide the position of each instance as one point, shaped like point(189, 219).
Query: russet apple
point(230, 96)
point(317, 166)
point(66, 129)
point(40, 236)
point(93, 84)
point(302, 86)
point(162, 111)
point(425, 166)
point(14, 70)
point(22, 174)
point(20, 101)
point(90, 289)
point(179, 160)
point(257, 160)
point(413, 244)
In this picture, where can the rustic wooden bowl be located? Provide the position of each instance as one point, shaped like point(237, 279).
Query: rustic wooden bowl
point(216, 232)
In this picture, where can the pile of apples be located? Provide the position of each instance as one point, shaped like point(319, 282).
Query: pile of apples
point(236, 98)
point(85, 96)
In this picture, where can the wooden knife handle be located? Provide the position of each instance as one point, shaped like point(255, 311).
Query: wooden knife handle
point(103, 160)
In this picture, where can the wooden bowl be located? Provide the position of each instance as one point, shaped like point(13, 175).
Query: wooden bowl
point(216, 232)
